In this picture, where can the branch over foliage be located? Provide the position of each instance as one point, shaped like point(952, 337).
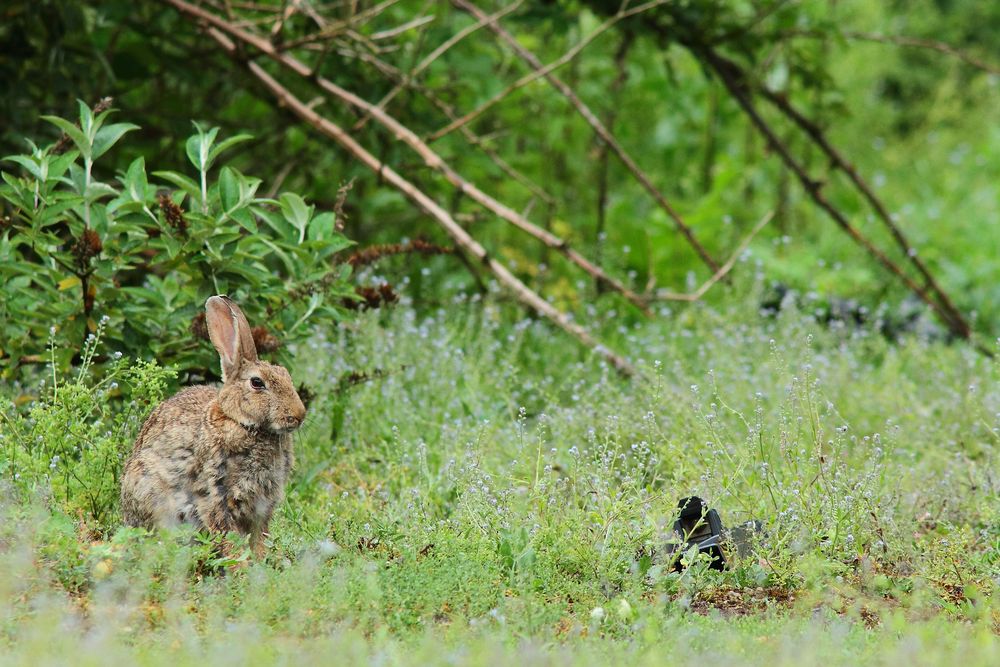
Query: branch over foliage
point(430, 158)
point(598, 127)
point(326, 127)
point(737, 83)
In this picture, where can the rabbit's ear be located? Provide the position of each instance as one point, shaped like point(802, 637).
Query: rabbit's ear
point(248, 350)
point(224, 330)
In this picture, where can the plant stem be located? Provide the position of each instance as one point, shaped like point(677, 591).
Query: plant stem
point(88, 165)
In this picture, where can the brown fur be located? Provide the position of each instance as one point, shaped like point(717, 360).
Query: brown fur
point(217, 458)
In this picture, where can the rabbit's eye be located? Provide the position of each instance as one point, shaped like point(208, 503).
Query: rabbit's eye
point(256, 383)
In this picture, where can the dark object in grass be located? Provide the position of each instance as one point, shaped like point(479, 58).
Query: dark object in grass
point(894, 322)
point(701, 527)
point(697, 526)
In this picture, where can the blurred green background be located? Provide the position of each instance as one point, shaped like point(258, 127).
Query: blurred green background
point(919, 122)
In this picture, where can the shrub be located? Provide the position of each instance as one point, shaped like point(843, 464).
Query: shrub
point(75, 249)
point(72, 439)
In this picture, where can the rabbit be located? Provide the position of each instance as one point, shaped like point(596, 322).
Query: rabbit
point(217, 459)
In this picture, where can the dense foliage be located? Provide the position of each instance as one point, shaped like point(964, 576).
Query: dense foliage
point(471, 485)
point(918, 122)
point(143, 258)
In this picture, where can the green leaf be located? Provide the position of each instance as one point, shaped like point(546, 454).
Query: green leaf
point(135, 181)
point(74, 133)
point(281, 254)
point(108, 136)
point(275, 222)
point(295, 210)
point(86, 119)
point(60, 164)
point(245, 219)
point(336, 243)
point(314, 301)
point(96, 190)
point(229, 189)
point(322, 226)
point(199, 147)
point(33, 167)
point(225, 144)
point(181, 181)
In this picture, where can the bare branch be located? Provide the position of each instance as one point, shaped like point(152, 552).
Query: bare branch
point(461, 237)
point(400, 29)
point(666, 295)
point(815, 132)
point(598, 127)
point(536, 74)
point(735, 82)
point(431, 159)
point(411, 79)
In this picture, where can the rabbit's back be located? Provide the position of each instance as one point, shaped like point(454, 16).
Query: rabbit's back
point(158, 480)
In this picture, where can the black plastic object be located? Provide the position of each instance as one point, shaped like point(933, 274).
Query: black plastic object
point(698, 526)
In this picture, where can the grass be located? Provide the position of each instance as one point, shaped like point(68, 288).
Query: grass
point(491, 494)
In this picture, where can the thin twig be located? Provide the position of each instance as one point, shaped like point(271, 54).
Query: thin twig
point(815, 132)
point(931, 44)
point(400, 29)
point(666, 295)
point(598, 127)
point(461, 237)
point(279, 179)
point(287, 12)
point(430, 158)
point(332, 30)
point(737, 86)
point(475, 140)
point(536, 74)
point(412, 77)
point(901, 40)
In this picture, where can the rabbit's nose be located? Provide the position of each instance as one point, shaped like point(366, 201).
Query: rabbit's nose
point(292, 421)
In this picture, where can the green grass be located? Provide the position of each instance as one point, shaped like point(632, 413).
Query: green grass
point(492, 494)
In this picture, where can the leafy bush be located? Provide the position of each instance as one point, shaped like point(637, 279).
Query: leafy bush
point(76, 249)
point(73, 438)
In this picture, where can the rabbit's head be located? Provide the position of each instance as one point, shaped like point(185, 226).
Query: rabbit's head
point(255, 393)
